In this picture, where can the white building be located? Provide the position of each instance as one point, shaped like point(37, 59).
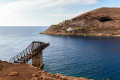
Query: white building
point(69, 29)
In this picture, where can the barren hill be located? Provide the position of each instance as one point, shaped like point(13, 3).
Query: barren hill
point(98, 22)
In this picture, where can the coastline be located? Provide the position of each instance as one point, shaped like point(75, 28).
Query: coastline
point(91, 35)
point(9, 71)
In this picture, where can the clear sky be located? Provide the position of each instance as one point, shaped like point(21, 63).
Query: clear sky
point(46, 12)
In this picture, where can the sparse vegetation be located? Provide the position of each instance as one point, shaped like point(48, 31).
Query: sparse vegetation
point(64, 29)
point(106, 29)
point(78, 29)
point(67, 21)
point(114, 28)
point(55, 25)
point(58, 31)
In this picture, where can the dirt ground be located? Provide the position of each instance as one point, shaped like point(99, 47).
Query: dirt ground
point(10, 71)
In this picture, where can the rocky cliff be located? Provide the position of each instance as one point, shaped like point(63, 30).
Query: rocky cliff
point(98, 22)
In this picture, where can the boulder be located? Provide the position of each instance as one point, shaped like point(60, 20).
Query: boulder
point(5, 74)
point(58, 75)
point(14, 74)
point(35, 75)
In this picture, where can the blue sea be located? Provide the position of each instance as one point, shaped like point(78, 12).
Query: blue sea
point(95, 58)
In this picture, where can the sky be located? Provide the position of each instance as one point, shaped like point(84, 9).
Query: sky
point(46, 12)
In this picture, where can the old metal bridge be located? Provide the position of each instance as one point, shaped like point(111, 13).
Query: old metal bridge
point(32, 50)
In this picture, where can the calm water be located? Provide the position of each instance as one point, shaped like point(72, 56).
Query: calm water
point(91, 57)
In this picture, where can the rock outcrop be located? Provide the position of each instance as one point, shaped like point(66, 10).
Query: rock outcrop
point(98, 22)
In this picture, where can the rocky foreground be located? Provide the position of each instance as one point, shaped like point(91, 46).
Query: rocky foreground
point(10, 71)
point(98, 22)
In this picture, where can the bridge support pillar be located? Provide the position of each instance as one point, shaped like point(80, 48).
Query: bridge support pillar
point(37, 60)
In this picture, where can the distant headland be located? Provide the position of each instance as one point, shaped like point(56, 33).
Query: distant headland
point(99, 22)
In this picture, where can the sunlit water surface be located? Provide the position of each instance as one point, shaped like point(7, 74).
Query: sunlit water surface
point(91, 57)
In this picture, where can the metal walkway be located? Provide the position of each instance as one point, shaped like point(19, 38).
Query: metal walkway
point(34, 48)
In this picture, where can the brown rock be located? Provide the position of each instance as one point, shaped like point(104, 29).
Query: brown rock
point(41, 72)
point(52, 79)
point(35, 75)
point(58, 75)
point(49, 74)
point(53, 75)
point(14, 74)
point(43, 77)
point(35, 78)
point(5, 74)
point(63, 77)
point(47, 78)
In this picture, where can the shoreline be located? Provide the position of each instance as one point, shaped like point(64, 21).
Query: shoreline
point(89, 35)
point(9, 71)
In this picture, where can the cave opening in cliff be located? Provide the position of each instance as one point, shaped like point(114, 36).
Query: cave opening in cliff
point(105, 19)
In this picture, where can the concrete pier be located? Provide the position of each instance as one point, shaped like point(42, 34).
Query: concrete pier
point(37, 60)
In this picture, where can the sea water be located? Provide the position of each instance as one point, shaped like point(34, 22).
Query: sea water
point(95, 58)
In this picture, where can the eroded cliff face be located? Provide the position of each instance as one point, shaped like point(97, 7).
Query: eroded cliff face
point(99, 22)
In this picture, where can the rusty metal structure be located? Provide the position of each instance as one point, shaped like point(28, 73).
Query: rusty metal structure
point(34, 48)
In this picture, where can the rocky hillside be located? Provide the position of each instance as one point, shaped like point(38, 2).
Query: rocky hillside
point(98, 22)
